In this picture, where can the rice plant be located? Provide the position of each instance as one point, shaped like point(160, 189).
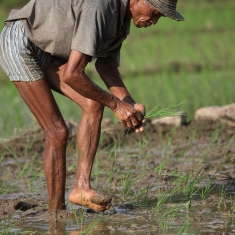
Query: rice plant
point(184, 228)
point(111, 172)
point(144, 197)
point(158, 112)
point(207, 190)
point(222, 194)
point(163, 198)
point(127, 181)
point(6, 226)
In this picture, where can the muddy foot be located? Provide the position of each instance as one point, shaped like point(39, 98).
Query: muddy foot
point(90, 199)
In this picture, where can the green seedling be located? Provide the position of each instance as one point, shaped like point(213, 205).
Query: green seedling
point(6, 227)
point(167, 149)
point(127, 181)
point(23, 170)
point(204, 154)
point(222, 194)
point(97, 170)
point(163, 198)
point(182, 152)
point(14, 156)
point(231, 141)
point(90, 227)
point(69, 145)
point(27, 168)
point(185, 227)
point(72, 167)
point(28, 148)
point(167, 214)
point(232, 202)
point(79, 218)
point(142, 197)
point(6, 188)
point(159, 169)
point(157, 112)
point(191, 189)
point(140, 148)
point(164, 226)
point(1, 158)
point(33, 179)
point(226, 152)
point(112, 150)
point(148, 156)
point(215, 135)
point(193, 136)
point(209, 187)
point(111, 172)
point(171, 212)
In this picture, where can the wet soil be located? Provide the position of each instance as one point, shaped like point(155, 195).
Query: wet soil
point(137, 170)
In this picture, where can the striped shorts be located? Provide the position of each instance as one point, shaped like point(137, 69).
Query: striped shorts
point(20, 58)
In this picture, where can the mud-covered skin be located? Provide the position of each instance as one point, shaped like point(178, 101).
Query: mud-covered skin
point(90, 199)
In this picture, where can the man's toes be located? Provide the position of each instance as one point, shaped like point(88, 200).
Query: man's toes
point(101, 200)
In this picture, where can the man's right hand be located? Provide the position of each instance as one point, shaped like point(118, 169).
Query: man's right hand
point(127, 115)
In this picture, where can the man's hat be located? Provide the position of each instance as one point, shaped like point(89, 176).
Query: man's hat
point(167, 8)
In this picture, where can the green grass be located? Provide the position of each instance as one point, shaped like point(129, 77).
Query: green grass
point(166, 64)
point(196, 89)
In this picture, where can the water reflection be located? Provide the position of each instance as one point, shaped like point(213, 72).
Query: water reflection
point(60, 228)
point(57, 227)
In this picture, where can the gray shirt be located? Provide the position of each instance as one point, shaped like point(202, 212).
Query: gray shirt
point(93, 27)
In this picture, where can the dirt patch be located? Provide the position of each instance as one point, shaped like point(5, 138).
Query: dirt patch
point(135, 169)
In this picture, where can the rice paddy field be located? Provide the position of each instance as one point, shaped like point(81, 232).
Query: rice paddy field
point(168, 180)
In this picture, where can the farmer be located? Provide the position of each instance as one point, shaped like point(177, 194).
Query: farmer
point(46, 46)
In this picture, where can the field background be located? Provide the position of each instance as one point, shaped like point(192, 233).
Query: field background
point(171, 62)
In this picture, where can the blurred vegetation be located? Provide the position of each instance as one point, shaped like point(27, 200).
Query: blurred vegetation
point(8, 4)
point(168, 63)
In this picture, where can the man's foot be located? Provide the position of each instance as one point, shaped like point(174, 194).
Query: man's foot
point(90, 199)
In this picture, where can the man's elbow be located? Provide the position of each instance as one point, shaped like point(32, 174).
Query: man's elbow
point(69, 78)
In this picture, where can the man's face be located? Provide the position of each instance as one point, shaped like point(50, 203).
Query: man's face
point(144, 15)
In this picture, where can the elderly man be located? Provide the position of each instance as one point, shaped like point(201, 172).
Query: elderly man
point(47, 45)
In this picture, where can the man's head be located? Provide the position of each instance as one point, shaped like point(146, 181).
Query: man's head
point(147, 12)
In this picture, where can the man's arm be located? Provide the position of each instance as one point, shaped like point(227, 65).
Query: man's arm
point(75, 76)
point(113, 80)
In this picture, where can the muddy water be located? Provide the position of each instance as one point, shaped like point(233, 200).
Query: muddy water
point(203, 218)
point(162, 182)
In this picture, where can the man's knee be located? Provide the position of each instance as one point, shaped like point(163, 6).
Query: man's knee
point(93, 109)
point(58, 134)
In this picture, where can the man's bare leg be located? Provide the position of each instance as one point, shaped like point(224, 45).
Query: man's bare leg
point(37, 95)
point(87, 141)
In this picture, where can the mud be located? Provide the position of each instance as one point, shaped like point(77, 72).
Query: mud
point(136, 170)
